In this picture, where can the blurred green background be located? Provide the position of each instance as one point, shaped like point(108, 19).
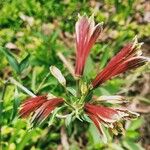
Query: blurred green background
point(33, 32)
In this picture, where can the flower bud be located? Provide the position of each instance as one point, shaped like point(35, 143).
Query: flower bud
point(58, 75)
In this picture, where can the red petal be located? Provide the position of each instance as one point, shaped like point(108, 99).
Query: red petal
point(86, 35)
point(44, 111)
point(96, 122)
point(104, 113)
point(126, 59)
point(129, 64)
point(31, 105)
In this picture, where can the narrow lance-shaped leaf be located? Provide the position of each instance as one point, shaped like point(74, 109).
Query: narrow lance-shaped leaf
point(11, 59)
point(24, 63)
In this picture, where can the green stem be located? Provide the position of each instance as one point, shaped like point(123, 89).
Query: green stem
point(70, 105)
point(41, 84)
point(78, 87)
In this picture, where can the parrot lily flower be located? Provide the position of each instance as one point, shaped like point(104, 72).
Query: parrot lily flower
point(40, 106)
point(86, 35)
point(106, 116)
point(128, 58)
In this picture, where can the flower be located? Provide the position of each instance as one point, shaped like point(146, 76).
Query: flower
point(128, 58)
point(40, 106)
point(106, 116)
point(86, 35)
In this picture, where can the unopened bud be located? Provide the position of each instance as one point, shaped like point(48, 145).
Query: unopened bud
point(58, 75)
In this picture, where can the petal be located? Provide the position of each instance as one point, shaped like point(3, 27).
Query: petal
point(127, 114)
point(31, 105)
point(45, 110)
point(117, 99)
point(104, 113)
point(98, 124)
point(128, 58)
point(96, 121)
point(86, 35)
point(131, 63)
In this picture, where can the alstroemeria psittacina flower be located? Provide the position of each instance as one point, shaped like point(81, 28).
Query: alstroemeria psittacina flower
point(108, 117)
point(128, 58)
point(86, 35)
point(40, 106)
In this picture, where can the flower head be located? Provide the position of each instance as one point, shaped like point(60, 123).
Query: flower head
point(128, 58)
point(86, 35)
point(40, 106)
point(106, 116)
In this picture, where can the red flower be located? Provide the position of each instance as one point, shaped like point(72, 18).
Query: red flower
point(106, 116)
point(86, 35)
point(41, 106)
point(128, 58)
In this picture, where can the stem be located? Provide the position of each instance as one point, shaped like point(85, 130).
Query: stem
point(70, 105)
point(13, 81)
point(78, 87)
point(42, 83)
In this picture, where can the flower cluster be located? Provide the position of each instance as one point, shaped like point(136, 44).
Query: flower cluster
point(128, 58)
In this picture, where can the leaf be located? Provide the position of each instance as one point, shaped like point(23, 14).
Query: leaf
point(94, 135)
point(68, 120)
point(135, 124)
point(16, 102)
point(130, 145)
point(27, 136)
point(89, 68)
point(86, 118)
point(24, 63)
point(51, 120)
point(72, 91)
point(105, 56)
point(11, 59)
point(132, 134)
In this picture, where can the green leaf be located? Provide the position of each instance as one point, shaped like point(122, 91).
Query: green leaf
point(130, 145)
point(71, 91)
point(135, 124)
point(11, 59)
point(86, 118)
point(50, 122)
point(16, 103)
point(68, 120)
point(105, 56)
point(94, 135)
point(89, 70)
point(24, 63)
point(132, 134)
point(27, 136)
